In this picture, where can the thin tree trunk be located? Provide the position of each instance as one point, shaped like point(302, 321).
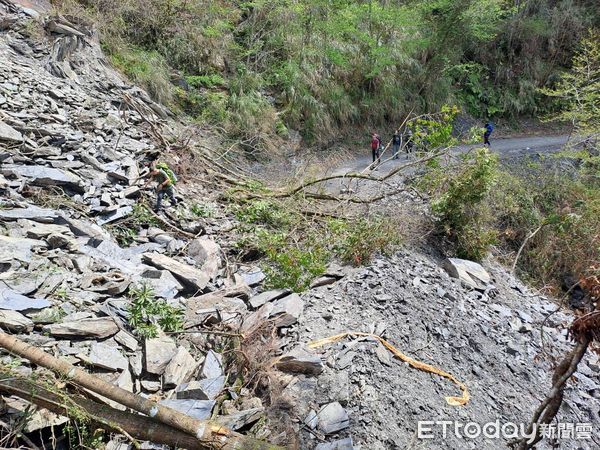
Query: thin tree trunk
point(208, 433)
point(527, 239)
point(137, 426)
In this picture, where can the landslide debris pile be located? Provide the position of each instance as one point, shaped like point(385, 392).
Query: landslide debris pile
point(483, 326)
point(73, 138)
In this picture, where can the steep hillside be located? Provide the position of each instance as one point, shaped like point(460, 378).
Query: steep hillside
point(193, 326)
point(261, 68)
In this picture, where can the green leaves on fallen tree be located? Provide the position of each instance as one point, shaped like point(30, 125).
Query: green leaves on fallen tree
point(295, 246)
point(459, 207)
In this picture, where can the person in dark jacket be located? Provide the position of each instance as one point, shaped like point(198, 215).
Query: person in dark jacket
point(489, 127)
point(396, 142)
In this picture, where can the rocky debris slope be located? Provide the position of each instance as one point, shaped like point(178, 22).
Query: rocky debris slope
point(73, 136)
point(72, 139)
point(486, 330)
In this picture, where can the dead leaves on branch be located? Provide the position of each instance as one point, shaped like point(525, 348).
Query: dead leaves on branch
point(587, 326)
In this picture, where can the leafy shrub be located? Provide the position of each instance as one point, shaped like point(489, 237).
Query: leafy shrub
point(566, 212)
point(296, 249)
point(202, 210)
point(459, 205)
point(265, 212)
point(289, 264)
point(146, 68)
point(434, 131)
point(147, 313)
point(205, 81)
point(477, 205)
point(356, 241)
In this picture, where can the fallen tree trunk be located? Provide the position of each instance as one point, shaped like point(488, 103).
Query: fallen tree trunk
point(137, 426)
point(208, 433)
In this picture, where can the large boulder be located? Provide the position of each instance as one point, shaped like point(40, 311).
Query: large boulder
point(14, 248)
point(30, 212)
point(14, 321)
point(190, 277)
point(207, 389)
point(45, 176)
point(11, 300)
point(470, 273)
point(287, 310)
point(158, 354)
point(180, 368)
point(300, 360)
point(265, 297)
point(9, 134)
point(214, 308)
point(44, 230)
point(107, 357)
point(241, 419)
point(207, 255)
point(198, 409)
point(93, 327)
point(332, 418)
point(284, 312)
point(162, 282)
point(213, 365)
point(115, 215)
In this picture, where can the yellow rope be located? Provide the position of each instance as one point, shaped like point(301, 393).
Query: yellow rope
point(454, 401)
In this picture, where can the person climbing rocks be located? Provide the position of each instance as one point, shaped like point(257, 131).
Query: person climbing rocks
point(375, 145)
point(489, 127)
point(165, 185)
point(396, 143)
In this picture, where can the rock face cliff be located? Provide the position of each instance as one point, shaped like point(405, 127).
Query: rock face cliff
point(78, 243)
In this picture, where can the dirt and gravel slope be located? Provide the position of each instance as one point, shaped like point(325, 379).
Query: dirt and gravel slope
point(491, 341)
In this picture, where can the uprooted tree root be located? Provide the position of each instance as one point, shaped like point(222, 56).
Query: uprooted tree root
point(254, 360)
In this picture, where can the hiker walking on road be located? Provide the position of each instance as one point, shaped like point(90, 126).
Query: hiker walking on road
point(407, 137)
point(489, 127)
point(165, 182)
point(375, 145)
point(396, 142)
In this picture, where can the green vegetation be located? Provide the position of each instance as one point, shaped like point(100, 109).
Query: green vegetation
point(147, 314)
point(82, 434)
point(550, 211)
point(206, 81)
point(478, 205)
point(356, 241)
point(296, 247)
point(259, 68)
point(202, 210)
point(460, 208)
point(145, 68)
point(289, 264)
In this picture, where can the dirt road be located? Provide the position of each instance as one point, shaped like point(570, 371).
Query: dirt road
point(506, 148)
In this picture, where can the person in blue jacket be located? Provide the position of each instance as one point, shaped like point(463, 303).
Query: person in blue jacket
point(489, 127)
